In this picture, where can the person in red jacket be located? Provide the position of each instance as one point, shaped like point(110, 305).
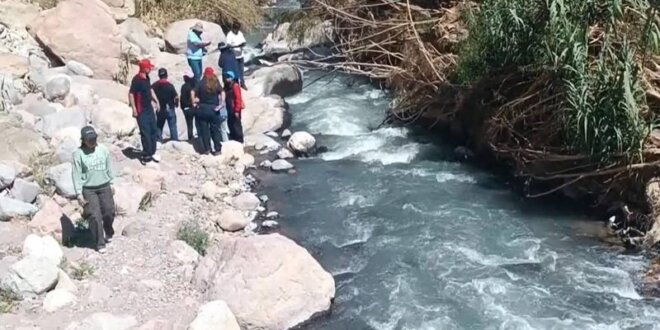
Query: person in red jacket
point(235, 106)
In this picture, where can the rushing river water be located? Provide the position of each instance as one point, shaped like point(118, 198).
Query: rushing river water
point(417, 241)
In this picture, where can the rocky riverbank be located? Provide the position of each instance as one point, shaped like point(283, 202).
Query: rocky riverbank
point(187, 254)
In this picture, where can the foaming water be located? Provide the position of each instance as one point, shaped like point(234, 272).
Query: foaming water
point(416, 241)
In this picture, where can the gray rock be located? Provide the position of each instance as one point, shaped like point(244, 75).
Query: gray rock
point(285, 153)
point(71, 117)
point(264, 198)
point(272, 215)
point(58, 299)
point(281, 165)
point(183, 252)
point(12, 208)
point(232, 220)
point(270, 224)
point(7, 175)
point(79, 69)
point(25, 191)
point(36, 105)
point(266, 164)
point(58, 87)
point(30, 276)
point(286, 133)
point(61, 176)
point(283, 80)
point(301, 142)
point(272, 134)
point(246, 202)
point(261, 142)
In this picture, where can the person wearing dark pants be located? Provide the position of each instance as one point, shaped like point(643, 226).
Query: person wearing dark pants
point(168, 100)
point(208, 96)
point(142, 100)
point(235, 106)
point(237, 41)
point(92, 181)
point(186, 102)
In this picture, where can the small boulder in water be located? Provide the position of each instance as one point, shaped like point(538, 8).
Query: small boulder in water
point(281, 165)
point(285, 153)
point(266, 164)
point(286, 133)
point(301, 142)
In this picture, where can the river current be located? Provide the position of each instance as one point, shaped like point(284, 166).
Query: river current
point(416, 240)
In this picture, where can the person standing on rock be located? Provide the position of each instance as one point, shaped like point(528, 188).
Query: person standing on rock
point(92, 181)
point(235, 105)
point(168, 100)
point(227, 60)
point(208, 97)
point(143, 101)
point(237, 41)
point(186, 102)
point(196, 48)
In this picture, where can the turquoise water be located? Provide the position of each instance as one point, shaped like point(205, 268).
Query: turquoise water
point(418, 241)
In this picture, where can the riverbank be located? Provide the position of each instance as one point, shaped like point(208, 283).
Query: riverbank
point(187, 253)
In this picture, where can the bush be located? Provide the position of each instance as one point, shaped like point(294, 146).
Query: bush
point(82, 271)
point(163, 12)
point(195, 236)
point(7, 300)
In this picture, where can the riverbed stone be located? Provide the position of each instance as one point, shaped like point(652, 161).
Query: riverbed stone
point(255, 274)
point(58, 299)
point(42, 247)
point(281, 165)
point(214, 315)
point(285, 153)
point(301, 142)
point(7, 175)
point(58, 87)
point(246, 201)
point(61, 176)
point(49, 218)
point(232, 220)
point(183, 252)
point(30, 276)
point(12, 208)
point(25, 191)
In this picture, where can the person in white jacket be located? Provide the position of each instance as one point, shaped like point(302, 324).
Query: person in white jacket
point(236, 41)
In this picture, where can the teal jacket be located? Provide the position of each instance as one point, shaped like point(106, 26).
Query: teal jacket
point(91, 170)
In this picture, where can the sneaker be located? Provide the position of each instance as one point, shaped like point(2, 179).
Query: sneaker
point(156, 158)
point(102, 250)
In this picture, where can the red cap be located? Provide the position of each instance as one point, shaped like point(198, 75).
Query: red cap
point(145, 64)
point(209, 72)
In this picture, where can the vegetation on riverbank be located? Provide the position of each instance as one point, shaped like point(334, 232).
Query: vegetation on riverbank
point(163, 12)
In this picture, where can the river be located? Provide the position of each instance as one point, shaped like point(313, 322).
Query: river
point(416, 240)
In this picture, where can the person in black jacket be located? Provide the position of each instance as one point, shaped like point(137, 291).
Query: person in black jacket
point(187, 103)
point(168, 100)
point(227, 60)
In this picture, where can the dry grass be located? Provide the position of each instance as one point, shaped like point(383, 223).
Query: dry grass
point(45, 4)
point(163, 12)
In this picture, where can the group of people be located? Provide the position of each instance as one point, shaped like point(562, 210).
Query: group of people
point(212, 107)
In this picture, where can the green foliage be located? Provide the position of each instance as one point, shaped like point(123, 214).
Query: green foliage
point(8, 300)
point(593, 47)
point(82, 271)
point(194, 235)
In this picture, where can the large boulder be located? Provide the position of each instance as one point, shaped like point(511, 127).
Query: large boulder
point(301, 142)
point(25, 191)
point(246, 201)
point(79, 69)
point(286, 39)
point(103, 88)
point(19, 144)
point(61, 176)
point(176, 34)
point(49, 218)
point(30, 276)
point(113, 117)
point(135, 32)
point(232, 220)
point(214, 315)
point(263, 113)
point(65, 142)
point(92, 38)
point(256, 274)
point(42, 247)
point(12, 208)
point(7, 175)
point(282, 80)
point(15, 65)
point(58, 87)
point(70, 117)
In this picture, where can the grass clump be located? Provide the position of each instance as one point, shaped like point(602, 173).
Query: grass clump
point(82, 271)
point(163, 12)
point(8, 300)
point(194, 235)
point(592, 53)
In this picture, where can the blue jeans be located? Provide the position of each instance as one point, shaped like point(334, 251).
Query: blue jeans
point(148, 132)
point(196, 67)
point(168, 114)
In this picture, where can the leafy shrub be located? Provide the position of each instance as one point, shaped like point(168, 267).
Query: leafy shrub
point(194, 235)
point(7, 300)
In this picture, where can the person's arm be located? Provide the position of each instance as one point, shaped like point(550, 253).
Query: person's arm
point(176, 95)
point(131, 101)
point(193, 97)
point(222, 96)
point(108, 164)
point(76, 175)
point(154, 99)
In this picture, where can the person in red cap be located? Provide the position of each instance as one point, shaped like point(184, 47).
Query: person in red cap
point(208, 98)
point(143, 101)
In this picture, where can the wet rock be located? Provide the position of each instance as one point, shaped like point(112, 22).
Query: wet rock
point(281, 165)
point(261, 142)
point(58, 299)
point(282, 80)
point(61, 176)
point(285, 154)
point(25, 191)
point(30, 276)
point(43, 247)
point(272, 215)
point(214, 315)
point(232, 220)
point(286, 133)
point(255, 274)
point(266, 164)
point(272, 134)
point(301, 142)
point(270, 224)
point(246, 202)
point(12, 208)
